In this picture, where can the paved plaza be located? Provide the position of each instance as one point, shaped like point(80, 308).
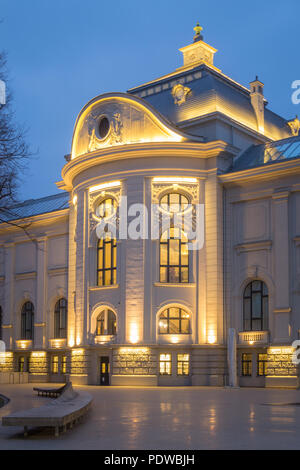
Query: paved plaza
point(167, 418)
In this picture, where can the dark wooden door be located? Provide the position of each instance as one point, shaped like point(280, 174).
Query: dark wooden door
point(104, 370)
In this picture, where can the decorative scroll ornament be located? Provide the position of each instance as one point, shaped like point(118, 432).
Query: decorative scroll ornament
point(179, 93)
point(116, 128)
point(294, 126)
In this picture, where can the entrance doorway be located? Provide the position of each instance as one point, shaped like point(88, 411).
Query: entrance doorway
point(104, 370)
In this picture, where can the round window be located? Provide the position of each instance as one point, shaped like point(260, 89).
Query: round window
point(174, 202)
point(103, 127)
point(106, 208)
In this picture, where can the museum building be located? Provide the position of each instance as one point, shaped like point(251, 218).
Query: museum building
point(114, 310)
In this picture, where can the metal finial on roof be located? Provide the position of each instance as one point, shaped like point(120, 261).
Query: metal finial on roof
point(198, 36)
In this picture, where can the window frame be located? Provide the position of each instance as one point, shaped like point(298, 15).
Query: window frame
point(169, 267)
point(263, 317)
point(181, 203)
point(165, 362)
point(55, 364)
point(248, 363)
point(113, 205)
point(264, 363)
point(105, 322)
point(59, 311)
point(27, 316)
point(168, 318)
point(183, 362)
point(110, 267)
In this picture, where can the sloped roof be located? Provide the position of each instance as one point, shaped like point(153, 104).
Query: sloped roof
point(211, 91)
point(270, 153)
point(34, 207)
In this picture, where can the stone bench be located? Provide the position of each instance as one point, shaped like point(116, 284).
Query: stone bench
point(68, 409)
point(50, 392)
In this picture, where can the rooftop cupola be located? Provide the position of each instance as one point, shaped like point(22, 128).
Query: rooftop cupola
point(258, 103)
point(198, 52)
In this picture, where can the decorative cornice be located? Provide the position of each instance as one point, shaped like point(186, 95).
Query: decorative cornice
point(99, 288)
point(282, 310)
point(254, 246)
point(143, 150)
point(58, 271)
point(175, 284)
point(28, 275)
point(284, 194)
point(263, 172)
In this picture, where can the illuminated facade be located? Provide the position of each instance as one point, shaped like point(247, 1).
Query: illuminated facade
point(125, 311)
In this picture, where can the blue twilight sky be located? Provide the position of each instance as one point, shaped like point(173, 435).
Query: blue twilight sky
point(62, 53)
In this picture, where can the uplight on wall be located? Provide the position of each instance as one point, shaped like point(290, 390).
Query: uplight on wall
point(211, 338)
point(134, 335)
point(174, 179)
point(111, 184)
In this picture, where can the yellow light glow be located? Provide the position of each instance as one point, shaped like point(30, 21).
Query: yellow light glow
point(134, 335)
point(251, 342)
point(111, 184)
point(281, 350)
point(24, 344)
point(38, 354)
point(133, 350)
point(174, 339)
point(71, 342)
point(75, 200)
point(77, 352)
point(211, 338)
point(57, 343)
point(174, 179)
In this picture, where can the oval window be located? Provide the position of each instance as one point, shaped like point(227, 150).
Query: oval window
point(106, 208)
point(103, 127)
point(174, 202)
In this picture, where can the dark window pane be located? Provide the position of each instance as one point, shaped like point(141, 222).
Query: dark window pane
point(256, 305)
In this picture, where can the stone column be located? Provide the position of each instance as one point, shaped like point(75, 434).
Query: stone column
point(281, 267)
point(8, 307)
point(134, 285)
point(201, 281)
point(214, 259)
point(41, 285)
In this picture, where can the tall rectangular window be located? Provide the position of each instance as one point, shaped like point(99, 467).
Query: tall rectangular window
point(262, 362)
point(183, 364)
point(22, 364)
point(165, 364)
point(107, 261)
point(54, 364)
point(64, 364)
point(246, 365)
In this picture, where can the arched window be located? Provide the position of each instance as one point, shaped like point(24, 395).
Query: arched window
point(174, 256)
point(256, 306)
point(27, 321)
point(1, 323)
point(60, 318)
point(174, 202)
point(174, 320)
point(106, 208)
point(106, 323)
point(107, 260)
